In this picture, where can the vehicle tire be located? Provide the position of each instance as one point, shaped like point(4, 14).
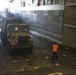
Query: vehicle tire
point(10, 52)
point(30, 50)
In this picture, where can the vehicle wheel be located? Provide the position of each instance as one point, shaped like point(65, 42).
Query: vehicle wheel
point(10, 53)
point(30, 50)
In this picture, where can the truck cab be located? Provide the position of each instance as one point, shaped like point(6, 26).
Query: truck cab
point(18, 38)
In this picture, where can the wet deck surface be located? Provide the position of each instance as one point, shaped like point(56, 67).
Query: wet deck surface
point(39, 63)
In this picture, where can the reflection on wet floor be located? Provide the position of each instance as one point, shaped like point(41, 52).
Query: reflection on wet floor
point(39, 60)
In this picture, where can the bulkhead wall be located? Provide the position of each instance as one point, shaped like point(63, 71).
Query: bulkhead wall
point(45, 23)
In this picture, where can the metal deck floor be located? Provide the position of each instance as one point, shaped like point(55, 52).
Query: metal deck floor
point(39, 63)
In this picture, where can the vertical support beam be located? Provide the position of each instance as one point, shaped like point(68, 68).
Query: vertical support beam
point(45, 2)
point(51, 1)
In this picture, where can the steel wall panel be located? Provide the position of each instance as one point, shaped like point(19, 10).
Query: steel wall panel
point(47, 20)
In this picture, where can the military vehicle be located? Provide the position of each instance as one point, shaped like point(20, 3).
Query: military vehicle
point(15, 35)
point(5, 23)
point(18, 38)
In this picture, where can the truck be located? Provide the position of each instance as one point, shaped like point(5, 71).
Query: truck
point(17, 38)
point(4, 25)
